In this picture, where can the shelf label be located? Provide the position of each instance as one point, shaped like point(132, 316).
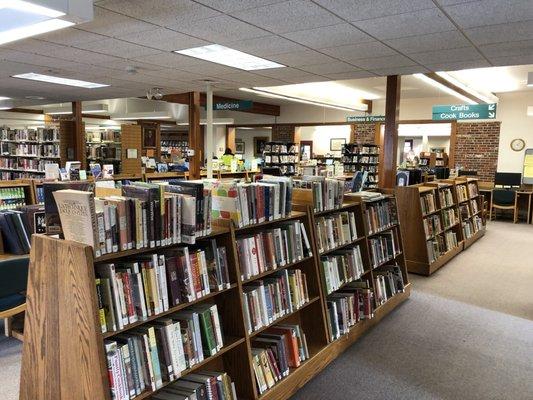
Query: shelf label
point(464, 111)
point(233, 105)
point(368, 118)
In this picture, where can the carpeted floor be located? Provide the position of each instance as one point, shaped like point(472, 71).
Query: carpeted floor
point(466, 333)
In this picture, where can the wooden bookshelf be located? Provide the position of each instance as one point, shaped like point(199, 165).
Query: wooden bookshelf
point(163, 176)
point(362, 157)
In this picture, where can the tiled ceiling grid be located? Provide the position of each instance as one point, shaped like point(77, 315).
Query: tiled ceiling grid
point(318, 40)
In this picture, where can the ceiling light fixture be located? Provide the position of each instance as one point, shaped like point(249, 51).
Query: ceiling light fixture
point(263, 92)
point(226, 56)
point(89, 108)
point(487, 98)
point(4, 98)
point(530, 79)
point(59, 81)
point(33, 30)
point(444, 88)
point(143, 115)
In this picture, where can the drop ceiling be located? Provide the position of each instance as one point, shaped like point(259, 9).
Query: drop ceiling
point(318, 40)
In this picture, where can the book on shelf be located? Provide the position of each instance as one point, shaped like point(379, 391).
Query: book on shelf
point(474, 206)
point(472, 226)
point(446, 197)
point(473, 189)
point(449, 217)
point(464, 211)
point(427, 203)
point(441, 244)
point(12, 197)
point(383, 247)
point(279, 294)
point(432, 225)
point(133, 290)
point(201, 385)
point(335, 230)
point(34, 218)
point(284, 244)
point(380, 215)
point(327, 193)
point(462, 192)
point(276, 350)
point(15, 233)
point(161, 351)
point(388, 281)
point(341, 267)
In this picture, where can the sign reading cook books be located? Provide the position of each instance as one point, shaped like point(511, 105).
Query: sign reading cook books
point(464, 111)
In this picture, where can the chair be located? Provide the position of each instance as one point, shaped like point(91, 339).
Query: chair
point(13, 283)
point(504, 199)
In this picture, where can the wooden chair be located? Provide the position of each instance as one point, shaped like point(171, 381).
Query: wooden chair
point(13, 283)
point(504, 199)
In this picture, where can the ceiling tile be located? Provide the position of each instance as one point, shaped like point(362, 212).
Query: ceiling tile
point(118, 48)
point(228, 6)
point(207, 68)
point(161, 12)
point(523, 47)
point(329, 36)
point(168, 60)
point(176, 74)
point(385, 62)
point(286, 74)
point(433, 41)
point(359, 51)
point(247, 79)
point(221, 29)
point(70, 37)
point(524, 59)
point(449, 55)
point(83, 56)
point(110, 23)
point(350, 75)
point(490, 12)
point(297, 58)
point(457, 65)
point(453, 2)
point(163, 39)
point(34, 46)
point(8, 68)
point(413, 69)
point(122, 64)
point(265, 46)
point(409, 24)
point(329, 68)
point(35, 59)
point(368, 9)
point(288, 16)
point(501, 33)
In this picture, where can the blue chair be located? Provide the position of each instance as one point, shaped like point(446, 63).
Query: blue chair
point(504, 199)
point(13, 283)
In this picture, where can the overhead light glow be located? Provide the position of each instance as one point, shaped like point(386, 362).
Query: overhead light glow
point(143, 115)
point(60, 81)
point(529, 79)
point(445, 89)
point(487, 98)
point(5, 108)
point(28, 7)
point(4, 98)
point(32, 30)
point(233, 58)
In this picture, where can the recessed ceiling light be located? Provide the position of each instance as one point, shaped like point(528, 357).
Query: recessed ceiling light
point(4, 98)
point(35, 97)
point(59, 81)
point(230, 57)
point(27, 7)
point(5, 108)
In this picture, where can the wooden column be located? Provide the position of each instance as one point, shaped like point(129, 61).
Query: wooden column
point(230, 138)
point(195, 135)
point(389, 147)
point(79, 135)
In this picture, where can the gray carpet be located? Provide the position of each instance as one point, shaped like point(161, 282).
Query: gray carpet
point(465, 333)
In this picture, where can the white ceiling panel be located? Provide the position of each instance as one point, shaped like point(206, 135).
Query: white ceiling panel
point(71, 37)
point(457, 65)
point(207, 69)
point(297, 58)
point(35, 46)
point(36, 59)
point(266, 46)
point(501, 33)
point(523, 59)
point(228, 6)
point(83, 56)
point(118, 48)
point(430, 42)
point(8, 68)
point(450, 55)
point(329, 36)
point(385, 62)
point(350, 75)
point(161, 12)
point(288, 74)
point(168, 60)
point(221, 29)
point(508, 49)
point(490, 12)
point(413, 69)
point(359, 51)
point(163, 39)
point(329, 68)
point(409, 24)
point(122, 64)
point(176, 74)
point(367, 9)
point(288, 16)
point(112, 24)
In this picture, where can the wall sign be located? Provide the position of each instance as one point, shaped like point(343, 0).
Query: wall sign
point(368, 118)
point(237, 105)
point(464, 111)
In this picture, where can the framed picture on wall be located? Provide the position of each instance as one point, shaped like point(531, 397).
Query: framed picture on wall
point(239, 147)
point(259, 145)
point(336, 144)
point(149, 134)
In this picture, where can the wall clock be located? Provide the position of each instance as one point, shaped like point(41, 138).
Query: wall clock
point(518, 144)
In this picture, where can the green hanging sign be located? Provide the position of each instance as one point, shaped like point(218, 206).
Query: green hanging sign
point(367, 118)
point(463, 112)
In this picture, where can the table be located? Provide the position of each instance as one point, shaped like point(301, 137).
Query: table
point(521, 193)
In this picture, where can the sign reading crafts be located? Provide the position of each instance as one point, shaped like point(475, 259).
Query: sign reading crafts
point(233, 105)
point(464, 111)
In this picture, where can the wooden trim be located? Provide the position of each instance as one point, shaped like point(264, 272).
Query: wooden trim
point(442, 81)
point(79, 135)
point(390, 139)
point(13, 311)
point(453, 143)
point(194, 135)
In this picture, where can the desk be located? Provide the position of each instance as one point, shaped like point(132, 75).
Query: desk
point(486, 191)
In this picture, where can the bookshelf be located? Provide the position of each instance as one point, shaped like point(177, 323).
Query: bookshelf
point(470, 204)
point(432, 222)
point(163, 176)
point(104, 147)
point(64, 356)
point(283, 155)
point(362, 157)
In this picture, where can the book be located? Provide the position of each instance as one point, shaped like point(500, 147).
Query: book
point(341, 267)
point(327, 193)
point(334, 230)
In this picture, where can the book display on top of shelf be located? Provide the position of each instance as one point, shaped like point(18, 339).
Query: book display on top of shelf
point(25, 152)
point(104, 147)
point(362, 157)
point(282, 155)
point(168, 146)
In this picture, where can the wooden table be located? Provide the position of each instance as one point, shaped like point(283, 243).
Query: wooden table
point(521, 193)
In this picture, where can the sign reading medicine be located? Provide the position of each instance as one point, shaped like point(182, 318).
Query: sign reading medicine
point(464, 111)
point(233, 105)
point(368, 118)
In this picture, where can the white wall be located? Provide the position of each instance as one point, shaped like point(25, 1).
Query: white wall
point(247, 136)
point(321, 135)
point(219, 140)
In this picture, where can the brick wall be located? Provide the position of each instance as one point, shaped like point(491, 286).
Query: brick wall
point(476, 147)
point(363, 133)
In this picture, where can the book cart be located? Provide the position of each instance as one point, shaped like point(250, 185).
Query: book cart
point(63, 354)
point(417, 204)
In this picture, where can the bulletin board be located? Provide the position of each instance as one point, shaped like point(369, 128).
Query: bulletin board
point(528, 167)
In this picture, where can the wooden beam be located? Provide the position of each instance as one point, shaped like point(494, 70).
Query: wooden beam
point(79, 134)
point(442, 81)
point(389, 148)
point(24, 110)
point(194, 135)
point(369, 104)
point(230, 138)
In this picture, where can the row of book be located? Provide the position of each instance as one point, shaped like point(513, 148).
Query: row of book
point(12, 197)
point(202, 385)
point(161, 351)
point(108, 135)
point(281, 159)
point(131, 291)
point(380, 215)
point(473, 189)
point(462, 192)
point(432, 225)
point(341, 267)
point(427, 203)
point(446, 197)
point(441, 244)
point(449, 217)
point(464, 211)
point(327, 193)
point(266, 300)
point(474, 206)
point(368, 160)
point(33, 135)
point(471, 227)
point(275, 147)
point(267, 250)
point(388, 281)
point(383, 247)
point(346, 307)
point(275, 351)
point(335, 230)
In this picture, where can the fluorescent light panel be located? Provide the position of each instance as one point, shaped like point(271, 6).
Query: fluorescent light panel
point(226, 56)
point(28, 7)
point(489, 98)
point(59, 81)
point(4, 98)
point(444, 88)
point(32, 30)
